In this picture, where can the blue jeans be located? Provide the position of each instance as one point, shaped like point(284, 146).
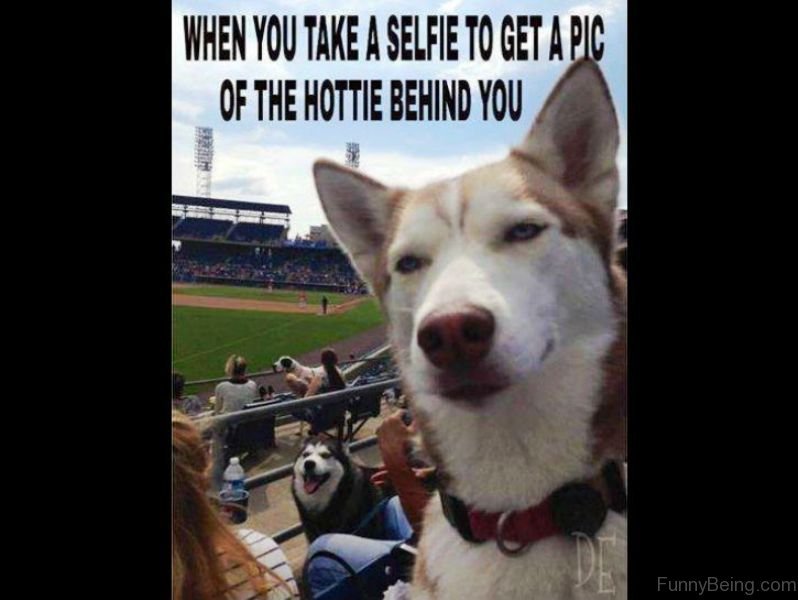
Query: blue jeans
point(358, 552)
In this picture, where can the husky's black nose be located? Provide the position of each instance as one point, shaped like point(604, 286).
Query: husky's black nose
point(310, 466)
point(460, 338)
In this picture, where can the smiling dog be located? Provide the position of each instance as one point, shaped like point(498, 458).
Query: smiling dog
point(507, 318)
point(332, 493)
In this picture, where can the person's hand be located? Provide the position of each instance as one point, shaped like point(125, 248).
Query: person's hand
point(393, 437)
point(381, 478)
point(424, 473)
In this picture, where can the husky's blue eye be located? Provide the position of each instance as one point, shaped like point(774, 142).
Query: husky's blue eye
point(523, 232)
point(408, 264)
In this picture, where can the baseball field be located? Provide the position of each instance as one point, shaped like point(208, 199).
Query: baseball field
point(210, 322)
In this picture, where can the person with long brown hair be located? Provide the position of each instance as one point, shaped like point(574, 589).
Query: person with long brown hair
point(332, 379)
point(209, 560)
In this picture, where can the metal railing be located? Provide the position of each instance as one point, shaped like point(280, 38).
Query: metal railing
point(272, 372)
point(278, 407)
point(217, 426)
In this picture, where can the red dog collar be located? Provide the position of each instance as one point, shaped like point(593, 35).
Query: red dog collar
point(574, 509)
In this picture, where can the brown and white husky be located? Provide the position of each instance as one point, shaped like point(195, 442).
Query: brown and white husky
point(507, 316)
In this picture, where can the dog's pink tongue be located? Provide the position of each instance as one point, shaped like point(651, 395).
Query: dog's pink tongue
point(311, 486)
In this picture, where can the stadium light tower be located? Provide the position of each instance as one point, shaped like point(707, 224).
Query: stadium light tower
point(203, 159)
point(352, 155)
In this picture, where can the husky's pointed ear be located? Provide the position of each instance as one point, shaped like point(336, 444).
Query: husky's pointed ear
point(358, 209)
point(575, 136)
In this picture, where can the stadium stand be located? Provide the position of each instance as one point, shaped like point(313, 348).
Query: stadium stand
point(255, 232)
point(201, 229)
point(321, 269)
point(246, 243)
point(218, 247)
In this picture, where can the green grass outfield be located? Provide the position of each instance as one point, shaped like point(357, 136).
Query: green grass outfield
point(203, 338)
point(251, 293)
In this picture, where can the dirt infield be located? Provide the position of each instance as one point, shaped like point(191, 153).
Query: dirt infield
point(261, 305)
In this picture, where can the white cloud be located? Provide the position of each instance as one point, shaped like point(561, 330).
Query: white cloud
point(607, 9)
point(245, 169)
point(449, 7)
point(188, 110)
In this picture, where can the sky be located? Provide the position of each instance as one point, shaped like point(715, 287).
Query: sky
point(270, 162)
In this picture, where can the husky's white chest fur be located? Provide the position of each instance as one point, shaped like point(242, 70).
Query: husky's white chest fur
point(553, 568)
point(507, 318)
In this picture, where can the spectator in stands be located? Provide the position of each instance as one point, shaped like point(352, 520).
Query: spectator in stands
point(189, 405)
point(332, 379)
point(209, 560)
point(266, 394)
point(238, 390)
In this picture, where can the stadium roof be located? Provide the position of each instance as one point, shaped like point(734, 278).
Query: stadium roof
point(231, 204)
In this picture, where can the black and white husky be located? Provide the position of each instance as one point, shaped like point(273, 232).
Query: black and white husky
point(332, 493)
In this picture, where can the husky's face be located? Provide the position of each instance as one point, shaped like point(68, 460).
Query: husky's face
point(284, 364)
point(498, 284)
point(317, 472)
point(485, 276)
point(485, 286)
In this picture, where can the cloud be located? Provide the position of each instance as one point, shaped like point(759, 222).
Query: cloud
point(188, 110)
point(608, 9)
point(281, 173)
point(449, 7)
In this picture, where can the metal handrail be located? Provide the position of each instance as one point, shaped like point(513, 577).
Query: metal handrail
point(288, 533)
point(268, 373)
point(287, 406)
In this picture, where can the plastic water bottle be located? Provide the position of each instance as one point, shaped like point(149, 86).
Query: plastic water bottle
point(234, 476)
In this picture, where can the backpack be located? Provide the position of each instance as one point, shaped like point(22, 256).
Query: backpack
point(369, 583)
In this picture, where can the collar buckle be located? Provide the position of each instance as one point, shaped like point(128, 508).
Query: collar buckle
point(501, 543)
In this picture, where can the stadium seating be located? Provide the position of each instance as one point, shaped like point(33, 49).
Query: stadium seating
point(327, 268)
point(255, 232)
point(203, 229)
point(251, 436)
